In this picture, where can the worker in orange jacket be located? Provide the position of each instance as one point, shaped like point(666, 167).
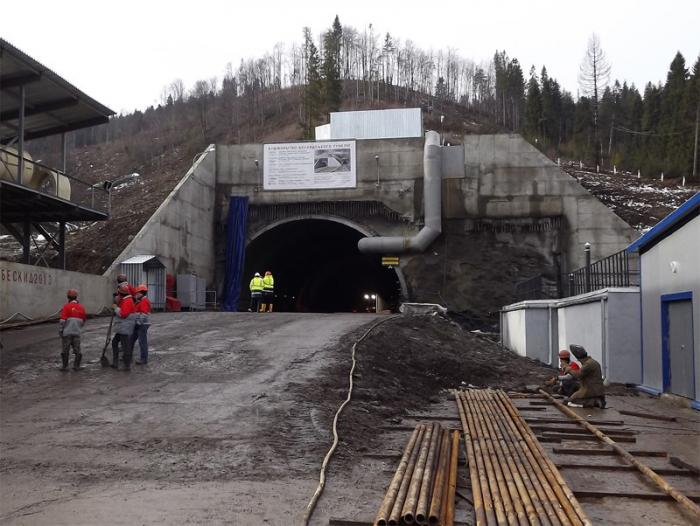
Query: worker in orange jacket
point(73, 318)
point(143, 322)
point(125, 316)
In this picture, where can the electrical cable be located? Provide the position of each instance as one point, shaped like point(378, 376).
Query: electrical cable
point(311, 506)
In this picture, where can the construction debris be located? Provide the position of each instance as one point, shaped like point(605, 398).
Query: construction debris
point(424, 486)
point(513, 481)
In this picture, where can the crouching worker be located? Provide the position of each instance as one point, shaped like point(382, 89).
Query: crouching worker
point(592, 391)
point(72, 320)
point(125, 316)
point(565, 383)
point(143, 311)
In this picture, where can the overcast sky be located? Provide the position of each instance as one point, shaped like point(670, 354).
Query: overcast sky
point(122, 53)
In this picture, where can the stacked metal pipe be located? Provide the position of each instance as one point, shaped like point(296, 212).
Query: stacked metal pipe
point(513, 481)
point(424, 485)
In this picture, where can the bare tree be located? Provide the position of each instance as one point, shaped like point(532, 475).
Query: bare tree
point(593, 78)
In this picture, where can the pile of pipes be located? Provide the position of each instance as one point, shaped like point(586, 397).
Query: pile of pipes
point(424, 485)
point(513, 481)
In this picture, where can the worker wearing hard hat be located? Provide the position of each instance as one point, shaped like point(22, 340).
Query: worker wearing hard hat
point(72, 320)
point(592, 390)
point(268, 292)
point(125, 316)
point(142, 306)
point(256, 290)
point(565, 382)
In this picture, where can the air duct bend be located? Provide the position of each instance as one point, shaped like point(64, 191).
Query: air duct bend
point(432, 192)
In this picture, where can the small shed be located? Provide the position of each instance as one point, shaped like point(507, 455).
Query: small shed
point(149, 270)
point(670, 268)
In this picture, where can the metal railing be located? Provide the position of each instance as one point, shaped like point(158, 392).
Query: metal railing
point(617, 270)
point(94, 196)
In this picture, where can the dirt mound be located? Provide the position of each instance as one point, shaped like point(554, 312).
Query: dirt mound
point(406, 364)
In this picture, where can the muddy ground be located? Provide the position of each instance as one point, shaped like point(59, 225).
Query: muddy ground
point(227, 424)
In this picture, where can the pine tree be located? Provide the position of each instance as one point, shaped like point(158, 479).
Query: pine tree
point(693, 102)
point(673, 125)
point(533, 107)
point(332, 85)
point(313, 87)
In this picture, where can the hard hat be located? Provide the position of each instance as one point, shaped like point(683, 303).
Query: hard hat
point(122, 278)
point(564, 354)
point(257, 274)
point(123, 289)
point(72, 293)
point(268, 273)
point(141, 288)
point(578, 351)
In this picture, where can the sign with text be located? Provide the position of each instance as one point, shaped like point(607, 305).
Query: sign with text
point(309, 165)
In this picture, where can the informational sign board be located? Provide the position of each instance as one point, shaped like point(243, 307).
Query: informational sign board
point(309, 165)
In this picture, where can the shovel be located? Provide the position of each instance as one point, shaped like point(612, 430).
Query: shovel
point(103, 359)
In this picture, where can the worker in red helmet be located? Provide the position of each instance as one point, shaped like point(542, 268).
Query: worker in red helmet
point(143, 311)
point(565, 383)
point(125, 317)
point(70, 326)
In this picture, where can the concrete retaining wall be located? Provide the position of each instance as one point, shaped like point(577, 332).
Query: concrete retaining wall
point(181, 231)
point(38, 292)
point(605, 322)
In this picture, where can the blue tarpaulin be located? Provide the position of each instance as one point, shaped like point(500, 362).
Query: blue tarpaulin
point(236, 226)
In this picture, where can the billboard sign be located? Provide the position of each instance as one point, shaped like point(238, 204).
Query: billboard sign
point(309, 165)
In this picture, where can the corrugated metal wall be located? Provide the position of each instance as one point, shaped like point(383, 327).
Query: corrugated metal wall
point(377, 124)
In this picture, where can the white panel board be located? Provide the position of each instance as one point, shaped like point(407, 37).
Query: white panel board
point(309, 165)
point(377, 124)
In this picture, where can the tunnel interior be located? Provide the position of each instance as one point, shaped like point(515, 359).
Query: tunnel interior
point(318, 268)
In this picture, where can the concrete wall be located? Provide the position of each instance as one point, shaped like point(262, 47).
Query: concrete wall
point(181, 231)
point(522, 329)
point(505, 176)
point(605, 322)
point(38, 292)
point(682, 246)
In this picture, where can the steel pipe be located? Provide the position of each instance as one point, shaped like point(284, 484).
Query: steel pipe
point(395, 515)
point(408, 513)
point(421, 515)
point(437, 502)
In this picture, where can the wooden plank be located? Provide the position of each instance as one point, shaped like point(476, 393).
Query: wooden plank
point(430, 417)
point(648, 415)
point(544, 420)
point(605, 452)
point(587, 438)
point(675, 461)
point(628, 495)
point(549, 440)
point(581, 431)
point(618, 467)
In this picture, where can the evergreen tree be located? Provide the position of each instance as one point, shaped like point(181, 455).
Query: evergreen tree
point(673, 125)
point(693, 103)
point(332, 85)
point(313, 86)
point(533, 107)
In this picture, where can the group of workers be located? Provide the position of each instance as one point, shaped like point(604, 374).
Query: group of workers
point(262, 292)
point(131, 320)
point(581, 385)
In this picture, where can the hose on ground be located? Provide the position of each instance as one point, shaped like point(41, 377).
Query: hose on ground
point(311, 506)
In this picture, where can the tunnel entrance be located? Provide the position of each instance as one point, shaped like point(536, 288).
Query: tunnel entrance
point(318, 268)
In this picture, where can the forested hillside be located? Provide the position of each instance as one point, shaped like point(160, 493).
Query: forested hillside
point(284, 94)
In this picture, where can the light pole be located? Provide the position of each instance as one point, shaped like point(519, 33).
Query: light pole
point(257, 173)
point(376, 160)
point(442, 139)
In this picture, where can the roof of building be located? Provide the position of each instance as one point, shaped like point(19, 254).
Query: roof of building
point(52, 104)
point(150, 260)
point(669, 224)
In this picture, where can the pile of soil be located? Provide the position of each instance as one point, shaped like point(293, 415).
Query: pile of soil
point(405, 365)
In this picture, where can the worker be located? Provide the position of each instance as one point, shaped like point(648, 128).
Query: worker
point(268, 292)
point(142, 306)
point(592, 391)
point(125, 315)
point(565, 383)
point(122, 279)
point(72, 320)
point(256, 290)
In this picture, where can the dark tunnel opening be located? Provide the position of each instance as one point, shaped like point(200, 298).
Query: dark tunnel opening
point(318, 268)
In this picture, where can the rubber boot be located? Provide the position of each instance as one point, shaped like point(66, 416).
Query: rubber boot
point(263, 307)
point(127, 361)
point(76, 361)
point(270, 308)
point(64, 359)
point(115, 360)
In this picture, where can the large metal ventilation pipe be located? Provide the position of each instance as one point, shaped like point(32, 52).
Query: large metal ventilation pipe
point(432, 204)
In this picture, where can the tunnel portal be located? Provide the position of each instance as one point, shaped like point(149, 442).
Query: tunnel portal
point(318, 268)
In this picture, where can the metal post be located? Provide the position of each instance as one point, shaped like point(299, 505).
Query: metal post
point(62, 245)
point(26, 242)
point(376, 159)
point(20, 143)
point(63, 152)
point(572, 285)
point(587, 250)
